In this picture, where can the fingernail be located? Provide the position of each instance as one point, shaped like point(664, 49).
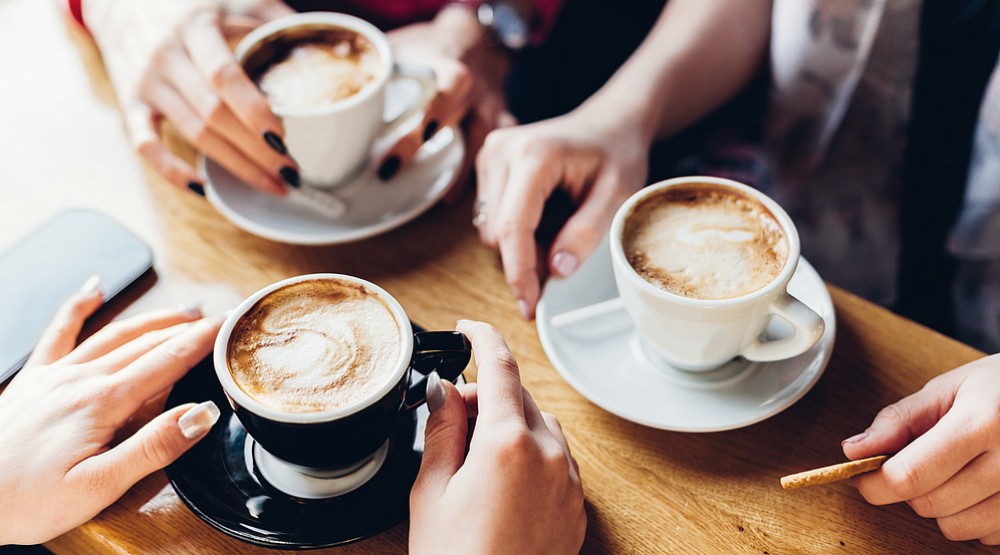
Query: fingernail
point(275, 142)
point(290, 176)
point(199, 420)
point(196, 188)
point(564, 263)
point(389, 168)
point(91, 286)
point(435, 392)
point(430, 130)
point(525, 309)
point(190, 311)
point(855, 439)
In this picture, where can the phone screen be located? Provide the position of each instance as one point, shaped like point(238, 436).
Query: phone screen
point(43, 268)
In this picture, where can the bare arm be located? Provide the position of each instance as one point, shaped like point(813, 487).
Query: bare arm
point(698, 55)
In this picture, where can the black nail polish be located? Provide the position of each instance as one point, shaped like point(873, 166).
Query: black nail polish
point(430, 130)
point(275, 142)
point(389, 168)
point(290, 176)
point(196, 188)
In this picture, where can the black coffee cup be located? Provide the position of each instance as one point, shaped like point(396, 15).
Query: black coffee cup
point(342, 437)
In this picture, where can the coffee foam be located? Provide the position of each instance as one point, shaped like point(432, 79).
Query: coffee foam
point(315, 346)
point(317, 74)
point(705, 242)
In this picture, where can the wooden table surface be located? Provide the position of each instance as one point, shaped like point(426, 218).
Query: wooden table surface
point(648, 491)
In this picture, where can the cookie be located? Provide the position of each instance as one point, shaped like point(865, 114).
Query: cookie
point(832, 473)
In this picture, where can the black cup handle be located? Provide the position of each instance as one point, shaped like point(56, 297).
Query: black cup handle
point(447, 352)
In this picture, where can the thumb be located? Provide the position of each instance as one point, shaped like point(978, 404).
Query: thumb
point(157, 444)
point(585, 229)
point(900, 423)
point(444, 439)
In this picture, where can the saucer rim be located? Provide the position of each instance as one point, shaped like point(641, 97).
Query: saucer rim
point(340, 237)
point(823, 354)
point(226, 417)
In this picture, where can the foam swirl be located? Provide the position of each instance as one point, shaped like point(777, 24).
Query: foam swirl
point(315, 346)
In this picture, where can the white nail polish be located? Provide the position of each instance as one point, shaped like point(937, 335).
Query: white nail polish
point(435, 392)
point(525, 309)
point(91, 286)
point(191, 311)
point(198, 420)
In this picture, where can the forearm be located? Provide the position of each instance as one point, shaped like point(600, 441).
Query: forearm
point(698, 55)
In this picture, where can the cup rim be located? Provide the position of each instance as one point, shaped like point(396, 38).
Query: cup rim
point(244, 400)
point(784, 220)
point(333, 19)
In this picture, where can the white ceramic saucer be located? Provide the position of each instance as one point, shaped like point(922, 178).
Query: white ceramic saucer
point(602, 359)
point(372, 206)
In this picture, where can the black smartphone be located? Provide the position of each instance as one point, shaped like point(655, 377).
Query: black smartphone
point(44, 267)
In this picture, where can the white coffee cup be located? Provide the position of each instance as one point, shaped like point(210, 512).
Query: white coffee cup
point(701, 334)
point(333, 143)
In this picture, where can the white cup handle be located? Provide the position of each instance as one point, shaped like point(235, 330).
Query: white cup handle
point(424, 76)
point(807, 328)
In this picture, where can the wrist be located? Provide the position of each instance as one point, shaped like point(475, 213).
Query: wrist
point(624, 114)
point(460, 30)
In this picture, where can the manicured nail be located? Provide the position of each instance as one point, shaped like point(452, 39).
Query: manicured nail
point(290, 176)
point(564, 263)
point(275, 142)
point(198, 420)
point(192, 311)
point(525, 309)
point(430, 130)
point(196, 188)
point(855, 439)
point(435, 392)
point(91, 286)
point(389, 168)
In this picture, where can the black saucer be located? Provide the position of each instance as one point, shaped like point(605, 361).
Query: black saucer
point(214, 482)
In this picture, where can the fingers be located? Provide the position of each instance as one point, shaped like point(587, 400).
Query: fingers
point(927, 462)
point(119, 333)
point(981, 521)
point(584, 230)
point(211, 109)
point(161, 367)
point(208, 49)
point(444, 438)
point(499, 383)
point(447, 108)
point(900, 423)
point(555, 428)
point(154, 446)
point(491, 177)
point(973, 484)
point(530, 181)
point(59, 337)
point(205, 139)
point(470, 395)
point(128, 353)
point(145, 136)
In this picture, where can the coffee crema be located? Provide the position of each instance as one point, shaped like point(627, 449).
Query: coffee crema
point(315, 346)
point(704, 242)
point(312, 67)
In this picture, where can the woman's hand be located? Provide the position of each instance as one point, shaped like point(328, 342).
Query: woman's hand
point(59, 461)
point(517, 490)
point(946, 440)
point(470, 78)
point(172, 60)
point(598, 160)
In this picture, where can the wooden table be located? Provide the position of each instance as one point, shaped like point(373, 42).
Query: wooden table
point(648, 491)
